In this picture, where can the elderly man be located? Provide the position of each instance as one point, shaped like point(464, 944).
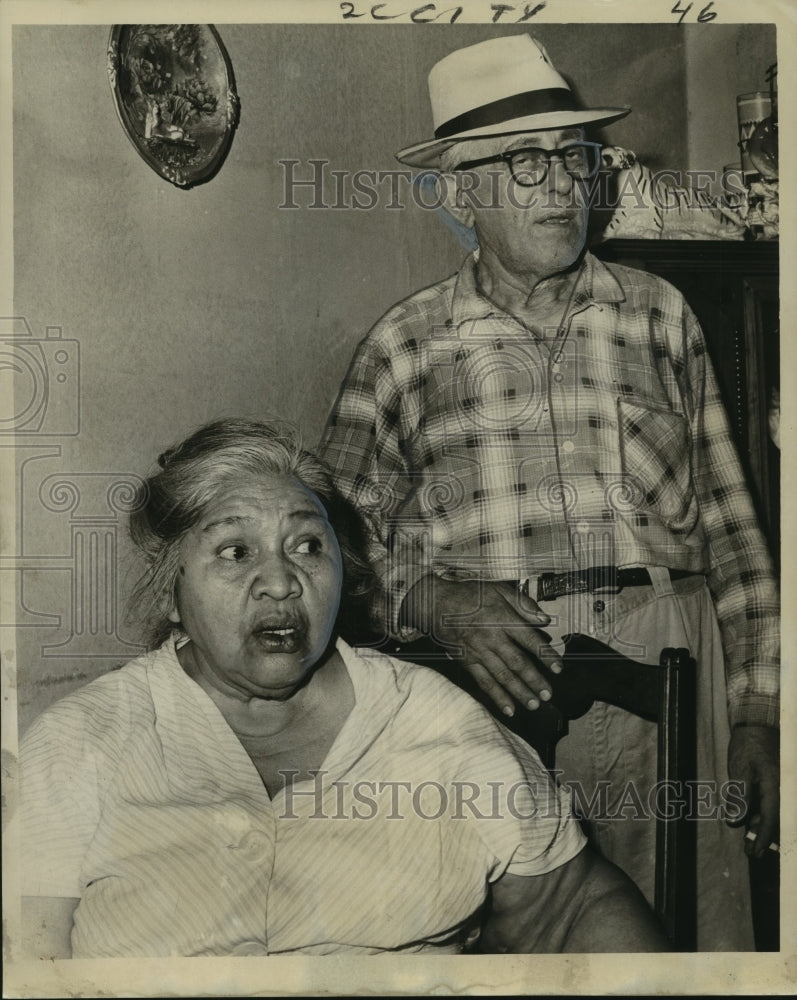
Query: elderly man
point(539, 444)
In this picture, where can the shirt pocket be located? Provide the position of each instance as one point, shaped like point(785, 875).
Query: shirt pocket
point(654, 449)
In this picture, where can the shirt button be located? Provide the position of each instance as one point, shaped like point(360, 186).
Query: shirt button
point(599, 606)
point(250, 948)
point(255, 846)
point(568, 446)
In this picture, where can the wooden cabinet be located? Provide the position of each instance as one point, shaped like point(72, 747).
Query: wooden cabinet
point(733, 289)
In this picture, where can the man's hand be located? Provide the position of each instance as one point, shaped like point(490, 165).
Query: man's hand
point(494, 631)
point(754, 759)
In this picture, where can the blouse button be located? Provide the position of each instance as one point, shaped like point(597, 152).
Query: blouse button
point(250, 948)
point(255, 846)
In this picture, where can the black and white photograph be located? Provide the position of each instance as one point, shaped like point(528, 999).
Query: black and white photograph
point(395, 435)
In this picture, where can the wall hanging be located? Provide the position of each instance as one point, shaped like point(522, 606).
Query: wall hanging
point(175, 96)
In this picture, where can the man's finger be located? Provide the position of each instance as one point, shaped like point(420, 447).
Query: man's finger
point(505, 674)
point(751, 836)
point(509, 667)
point(520, 673)
point(535, 643)
point(766, 826)
point(757, 842)
point(490, 686)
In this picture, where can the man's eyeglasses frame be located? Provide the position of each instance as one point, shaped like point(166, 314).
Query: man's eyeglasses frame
point(511, 155)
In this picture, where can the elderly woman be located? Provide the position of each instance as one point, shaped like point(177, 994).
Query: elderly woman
point(255, 786)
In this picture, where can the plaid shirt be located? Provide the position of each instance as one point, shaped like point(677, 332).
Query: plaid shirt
point(479, 450)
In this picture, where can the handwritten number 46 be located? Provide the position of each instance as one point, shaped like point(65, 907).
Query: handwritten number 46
point(706, 14)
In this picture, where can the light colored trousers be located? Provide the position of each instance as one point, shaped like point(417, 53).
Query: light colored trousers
point(609, 744)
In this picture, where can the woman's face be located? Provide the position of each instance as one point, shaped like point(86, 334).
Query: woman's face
point(258, 587)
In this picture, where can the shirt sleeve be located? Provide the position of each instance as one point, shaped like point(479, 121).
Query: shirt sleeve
point(362, 445)
point(741, 575)
point(522, 818)
point(530, 827)
point(60, 804)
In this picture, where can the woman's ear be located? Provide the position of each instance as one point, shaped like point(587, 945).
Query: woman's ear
point(454, 199)
point(169, 606)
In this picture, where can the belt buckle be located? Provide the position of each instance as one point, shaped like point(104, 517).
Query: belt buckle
point(553, 585)
point(546, 587)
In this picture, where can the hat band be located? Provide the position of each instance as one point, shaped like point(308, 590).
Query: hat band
point(532, 102)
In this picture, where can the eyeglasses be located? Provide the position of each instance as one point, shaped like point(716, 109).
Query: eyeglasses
point(529, 166)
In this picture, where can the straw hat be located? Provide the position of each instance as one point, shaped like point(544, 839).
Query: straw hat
point(498, 87)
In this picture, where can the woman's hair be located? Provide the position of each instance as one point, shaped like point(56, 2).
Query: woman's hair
point(192, 475)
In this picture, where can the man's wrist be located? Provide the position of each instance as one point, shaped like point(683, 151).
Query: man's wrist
point(755, 709)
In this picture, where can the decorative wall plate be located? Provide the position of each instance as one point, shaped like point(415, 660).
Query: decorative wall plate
point(175, 96)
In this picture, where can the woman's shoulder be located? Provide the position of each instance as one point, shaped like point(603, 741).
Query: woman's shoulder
point(431, 715)
point(425, 692)
point(103, 708)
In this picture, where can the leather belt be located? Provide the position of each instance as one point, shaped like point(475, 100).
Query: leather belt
point(598, 578)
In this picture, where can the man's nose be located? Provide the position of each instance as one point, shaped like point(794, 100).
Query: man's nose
point(558, 178)
point(276, 577)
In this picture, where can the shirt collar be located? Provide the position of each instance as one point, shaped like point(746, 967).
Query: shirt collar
point(380, 689)
point(191, 730)
point(597, 284)
point(191, 727)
